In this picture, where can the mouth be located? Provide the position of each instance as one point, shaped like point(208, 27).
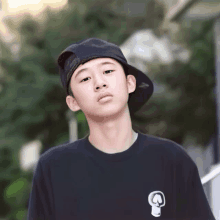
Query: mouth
point(105, 99)
point(104, 96)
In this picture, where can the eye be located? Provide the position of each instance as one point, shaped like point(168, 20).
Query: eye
point(89, 77)
point(109, 70)
point(85, 78)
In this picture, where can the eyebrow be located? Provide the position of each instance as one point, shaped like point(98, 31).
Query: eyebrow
point(82, 70)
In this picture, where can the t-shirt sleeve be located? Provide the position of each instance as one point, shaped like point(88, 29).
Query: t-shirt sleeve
point(40, 202)
point(198, 206)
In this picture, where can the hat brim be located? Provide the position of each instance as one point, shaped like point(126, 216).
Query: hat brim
point(144, 88)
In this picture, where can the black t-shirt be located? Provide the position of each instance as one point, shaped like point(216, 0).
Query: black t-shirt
point(154, 179)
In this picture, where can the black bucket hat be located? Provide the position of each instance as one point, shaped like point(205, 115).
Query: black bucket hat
point(91, 48)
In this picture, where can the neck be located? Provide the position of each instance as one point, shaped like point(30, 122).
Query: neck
point(113, 135)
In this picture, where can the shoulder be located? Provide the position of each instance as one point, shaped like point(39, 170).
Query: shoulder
point(168, 148)
point(64, 152)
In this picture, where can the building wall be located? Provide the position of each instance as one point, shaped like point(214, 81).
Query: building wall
point(204, 159)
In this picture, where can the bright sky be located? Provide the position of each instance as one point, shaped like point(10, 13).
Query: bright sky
point(18, 7)
point(15, 6)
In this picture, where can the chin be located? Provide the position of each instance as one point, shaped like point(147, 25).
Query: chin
point(107, 113)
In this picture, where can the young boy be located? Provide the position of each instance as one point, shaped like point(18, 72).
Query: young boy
point(113, 173)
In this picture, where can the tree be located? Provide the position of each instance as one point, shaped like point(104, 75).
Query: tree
point(187, 106)
point(32, 99)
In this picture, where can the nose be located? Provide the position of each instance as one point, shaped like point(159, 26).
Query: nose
point(104, 85)
point(100, 82)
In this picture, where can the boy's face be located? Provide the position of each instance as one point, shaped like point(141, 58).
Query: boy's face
point(87, 83)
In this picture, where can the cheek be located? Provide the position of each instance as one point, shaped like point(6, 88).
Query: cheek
point(121, 92)
point(84, 94)
point(119, 84)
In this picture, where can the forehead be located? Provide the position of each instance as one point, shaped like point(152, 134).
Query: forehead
point(97, 62)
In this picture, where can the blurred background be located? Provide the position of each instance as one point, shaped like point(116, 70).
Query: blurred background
point(175, 42)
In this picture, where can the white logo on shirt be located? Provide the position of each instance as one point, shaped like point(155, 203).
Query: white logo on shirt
point(157, 200)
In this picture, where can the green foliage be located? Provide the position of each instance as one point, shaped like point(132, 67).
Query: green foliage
point(16, 194)
point(80, 116)
point(18, 214)
point(21, 214)
point(32, 100)
point(187, 106)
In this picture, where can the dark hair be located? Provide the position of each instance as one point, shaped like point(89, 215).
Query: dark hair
point(70, 92)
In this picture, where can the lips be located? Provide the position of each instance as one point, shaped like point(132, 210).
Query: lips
point(104, 95)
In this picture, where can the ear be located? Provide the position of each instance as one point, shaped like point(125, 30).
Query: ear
point(131, 83)
point(72, 103)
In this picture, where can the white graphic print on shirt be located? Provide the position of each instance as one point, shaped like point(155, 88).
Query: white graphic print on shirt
point(157, 200)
